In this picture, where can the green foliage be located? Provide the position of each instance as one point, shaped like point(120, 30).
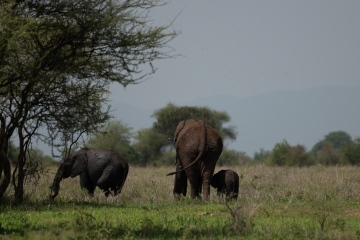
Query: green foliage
point(165, 159)
point(337, 139)
point(279, 154)
point(285, 155)
point(57, 61)
point(328, 155)
point(38, 156)
point(231, 157)
point(261, 155)
point(300, 157)
point(35, 155)
point(275, 203)
point(329, 151)
point(155, 145)
point(352, 153)
point(117, 136)
point(150, 145)
point(168, 118)
point(242, 217)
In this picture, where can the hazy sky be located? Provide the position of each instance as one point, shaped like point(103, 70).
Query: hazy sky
point(246, 48)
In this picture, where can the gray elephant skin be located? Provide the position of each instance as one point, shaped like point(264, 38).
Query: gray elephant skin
point(198, 148)
point(226, 182)
point(103, 168)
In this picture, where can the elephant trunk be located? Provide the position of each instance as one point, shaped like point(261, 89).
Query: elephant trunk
point(55, 187)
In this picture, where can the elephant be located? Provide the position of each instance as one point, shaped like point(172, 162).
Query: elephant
point(226, 182)
point(103, 168)
point(198, 148)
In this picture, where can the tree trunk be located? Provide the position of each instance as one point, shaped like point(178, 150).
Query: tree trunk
point(5, 169)
point(19, 173)
point(18, 179)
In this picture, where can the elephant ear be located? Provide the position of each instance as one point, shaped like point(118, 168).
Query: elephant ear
point(80, 164)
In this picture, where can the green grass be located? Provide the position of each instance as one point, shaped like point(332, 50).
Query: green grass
point(275, 203)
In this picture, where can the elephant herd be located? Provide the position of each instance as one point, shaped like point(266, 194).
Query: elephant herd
point(198, 148)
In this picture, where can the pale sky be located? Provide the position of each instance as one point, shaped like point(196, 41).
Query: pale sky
point(247, 48)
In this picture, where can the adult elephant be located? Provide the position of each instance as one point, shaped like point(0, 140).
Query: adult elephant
point(103, 168)
point(226, 182)
point(198, 147)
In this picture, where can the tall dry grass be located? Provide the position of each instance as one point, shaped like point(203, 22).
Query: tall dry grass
point(258, 183)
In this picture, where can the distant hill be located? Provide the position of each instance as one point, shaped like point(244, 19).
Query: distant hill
point(300, 117)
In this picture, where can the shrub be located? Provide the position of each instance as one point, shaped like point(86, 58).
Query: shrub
point(285, 155)
point(231, 157)
point(352, 153)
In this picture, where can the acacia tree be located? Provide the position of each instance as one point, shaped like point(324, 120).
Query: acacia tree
point(168, 118)
point(153, 143)
point(57, 60)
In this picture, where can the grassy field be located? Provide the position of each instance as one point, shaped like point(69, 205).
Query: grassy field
point(275, 203)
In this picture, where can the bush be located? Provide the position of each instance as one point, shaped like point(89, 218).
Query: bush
point(328, 155)
point(285, 155)
point(261, 155)
point(352, 153)
point(232, 157)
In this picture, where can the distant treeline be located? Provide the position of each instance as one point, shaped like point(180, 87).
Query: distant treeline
point(154, 146)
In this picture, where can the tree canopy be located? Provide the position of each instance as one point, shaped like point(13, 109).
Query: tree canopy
point(168, 118)
point(338, 140)
point(329, 150)
point(57, 60)
point(352, 152)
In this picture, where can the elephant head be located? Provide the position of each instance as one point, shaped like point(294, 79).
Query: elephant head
point(71, 166)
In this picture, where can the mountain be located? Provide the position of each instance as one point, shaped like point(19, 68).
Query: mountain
point(300, 117)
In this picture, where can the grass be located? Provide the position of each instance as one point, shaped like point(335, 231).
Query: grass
point(275, 203)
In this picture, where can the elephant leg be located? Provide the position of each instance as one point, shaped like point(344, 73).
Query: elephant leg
point(207, 173)
point(115, 190)
point(104, 183)
point(107, 192)
point(195, 179)
point(180, 183)
point(229, 190)
point(235, 191)
point(86, 183)
point(219, 192)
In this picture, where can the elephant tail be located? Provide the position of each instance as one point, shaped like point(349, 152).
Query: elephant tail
point(202, 149)
point(191, 164)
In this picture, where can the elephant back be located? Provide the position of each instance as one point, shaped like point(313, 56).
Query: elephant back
point(183, 125)
point(214, 141)
point(197, 140)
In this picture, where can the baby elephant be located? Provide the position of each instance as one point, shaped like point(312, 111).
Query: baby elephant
point(226, 182)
